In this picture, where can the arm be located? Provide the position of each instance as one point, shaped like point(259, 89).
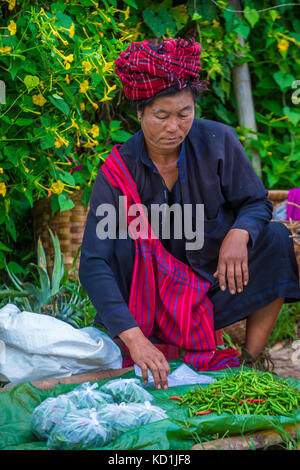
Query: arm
point(95, 273)
point(243, 189)
point(246, 194)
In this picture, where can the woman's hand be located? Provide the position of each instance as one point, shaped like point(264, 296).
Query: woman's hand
point(233, 261)
point(146, 355)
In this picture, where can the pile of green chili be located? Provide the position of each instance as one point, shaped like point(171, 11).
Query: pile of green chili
point(248, 392)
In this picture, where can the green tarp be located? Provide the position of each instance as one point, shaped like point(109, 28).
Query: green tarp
point(179, 432)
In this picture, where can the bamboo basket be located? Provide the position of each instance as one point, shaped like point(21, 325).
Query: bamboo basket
point(68, 226)
point(278, 198)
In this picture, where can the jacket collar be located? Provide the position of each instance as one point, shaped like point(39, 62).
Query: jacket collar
point(142, 154)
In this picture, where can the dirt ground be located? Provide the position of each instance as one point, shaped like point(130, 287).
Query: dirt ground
point(284, 355)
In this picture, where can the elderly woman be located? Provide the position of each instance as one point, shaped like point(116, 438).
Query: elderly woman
point(155, 289)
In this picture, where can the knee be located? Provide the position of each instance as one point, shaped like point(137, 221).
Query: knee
point(280, 236)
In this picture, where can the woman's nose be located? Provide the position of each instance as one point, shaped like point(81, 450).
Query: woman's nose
point(172, 125)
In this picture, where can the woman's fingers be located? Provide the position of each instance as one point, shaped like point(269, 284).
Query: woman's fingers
point(236, 273)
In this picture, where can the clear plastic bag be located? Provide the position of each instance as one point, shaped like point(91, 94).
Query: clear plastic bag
point(50, 412)
point(80, 429)
point(87, 395)
point(127, 390)
point(125, 416)
point(149, 413)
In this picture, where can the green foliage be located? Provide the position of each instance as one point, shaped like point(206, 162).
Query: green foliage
point(287, 324)
point(58, 294)
point(56, 60)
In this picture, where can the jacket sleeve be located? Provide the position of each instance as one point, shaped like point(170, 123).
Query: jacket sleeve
point(243, 189)
point(95, 272)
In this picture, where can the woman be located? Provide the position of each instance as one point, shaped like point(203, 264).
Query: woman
point(247, 264)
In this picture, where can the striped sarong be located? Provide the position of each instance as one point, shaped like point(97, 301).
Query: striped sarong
point(167, 298)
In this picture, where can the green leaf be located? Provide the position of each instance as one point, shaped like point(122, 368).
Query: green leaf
point(222, 113)
point(293, 116)
point(159, 23)
point(252, 16)
point(196, 16)
point(15, 267)
point(24, 122)
point(31, 81)
point(41, 255)
point(54, 204)
point(62, 20)
point(3, 247)
point(243, 30)
point(44, 291)
point(283, 80)
point(180, 15)
point(231, 19)
point(10, 225)
point(58, 266)
point(47, 142)
point(67, 178)
point(65, 203)
point(59, 103)
point(131, 3)
point(120, 136)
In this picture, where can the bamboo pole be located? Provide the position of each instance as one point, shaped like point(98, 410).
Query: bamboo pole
point(255, 440)
point(244, 98)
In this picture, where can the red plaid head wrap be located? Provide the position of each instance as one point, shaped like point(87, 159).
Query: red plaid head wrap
point(146, 69)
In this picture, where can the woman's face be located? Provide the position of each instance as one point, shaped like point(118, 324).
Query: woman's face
point(167, 121)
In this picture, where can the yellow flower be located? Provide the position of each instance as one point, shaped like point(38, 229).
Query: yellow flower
point(86, 65)
point(11, 4)
point(69, 58)
point(67, 65)
point(2, 189)
point(67, 79)
point(106, 97)
point(95, 131)
point(107, 67)
point(72, 30)
point(215, 23)
point(39, 99)
point(60, 139)
point(91, 143)
point(58, 143)
point(84, 86)
point(57, 187)
point(243, 137)
point(5, 49)
point(12, 28)
point(126, 13)
point(82, 106)
point(283, 45)
point(1, 170)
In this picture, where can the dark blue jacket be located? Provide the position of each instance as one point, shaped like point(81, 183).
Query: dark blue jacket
point(214, 170)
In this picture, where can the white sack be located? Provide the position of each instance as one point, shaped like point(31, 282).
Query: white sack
point(39, 346)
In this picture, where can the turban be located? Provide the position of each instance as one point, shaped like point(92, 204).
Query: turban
point(145, 68)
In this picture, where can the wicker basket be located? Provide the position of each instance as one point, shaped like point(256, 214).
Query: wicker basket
point(68, 226)
point(278, 198)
